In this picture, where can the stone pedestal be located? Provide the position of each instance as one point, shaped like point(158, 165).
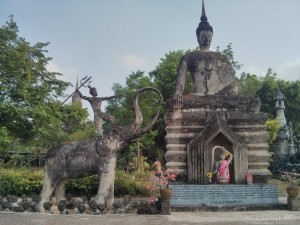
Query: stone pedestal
point(165, 207)
point(293, 203)
point(202, 122)
point(192, 195)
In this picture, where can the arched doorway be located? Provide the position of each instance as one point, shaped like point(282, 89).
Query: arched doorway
point(199, 153)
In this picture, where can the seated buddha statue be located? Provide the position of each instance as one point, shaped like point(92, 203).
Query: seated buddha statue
point(211, 72)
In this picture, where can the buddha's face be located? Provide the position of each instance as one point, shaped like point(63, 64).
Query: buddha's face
point(204, 39)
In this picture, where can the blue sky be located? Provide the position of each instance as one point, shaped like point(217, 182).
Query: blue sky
point(108, 39)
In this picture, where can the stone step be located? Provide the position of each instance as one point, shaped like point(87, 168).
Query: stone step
point(177, 138)
point(248, 128)
point(184, 129)
point(176, 165)
point(258, 146)
point(261, 172)
point(182, 115)
point(176, 147)
point(185, 118)
point(258, 153)
point(245, 118)
point(253, 133)
point(258, 156)
point(176, 156)
point(254, 136)
point(184, 122)
point(258, 165)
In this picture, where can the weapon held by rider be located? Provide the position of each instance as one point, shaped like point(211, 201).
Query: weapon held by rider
point(83, 81)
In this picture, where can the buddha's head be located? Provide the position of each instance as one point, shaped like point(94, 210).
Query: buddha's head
point(204, 31)
point(204, 39)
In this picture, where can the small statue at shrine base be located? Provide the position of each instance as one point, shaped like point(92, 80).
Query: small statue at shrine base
point(221, 167)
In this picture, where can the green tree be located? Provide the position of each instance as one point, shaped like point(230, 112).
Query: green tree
point(266, 92)
point(84, 133)
point(228, 51)
point(122, 109)
point(5, 141)
point(291, 91)
point(249, 84)
point(28, 91)
point(73, 117)
point(165, 73)
point(265, 87)
point(273, 127)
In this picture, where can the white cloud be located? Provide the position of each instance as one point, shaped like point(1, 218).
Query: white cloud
point(68, 74)
point(289, 70)
point(132, 61)
point(52, 67)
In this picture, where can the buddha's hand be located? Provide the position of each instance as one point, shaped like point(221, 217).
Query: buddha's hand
point(177, 101)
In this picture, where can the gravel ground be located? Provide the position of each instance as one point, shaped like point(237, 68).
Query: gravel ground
point(281, 217)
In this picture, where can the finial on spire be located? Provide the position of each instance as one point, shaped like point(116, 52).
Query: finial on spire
point(203, 25)
point(203, 15)
point(77, 85)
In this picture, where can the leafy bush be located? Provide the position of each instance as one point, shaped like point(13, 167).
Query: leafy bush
point(273, 127)
point(133, 184)
point(20, 181)
point(30, 182)
point(83, 186)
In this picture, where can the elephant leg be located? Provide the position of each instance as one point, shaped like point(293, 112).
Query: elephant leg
point(59, 191)
point(48, 187)
point(105, 193)
point(110, 197)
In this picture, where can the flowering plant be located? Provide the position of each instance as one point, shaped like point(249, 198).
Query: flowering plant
point(209, 175)
point(159, 181)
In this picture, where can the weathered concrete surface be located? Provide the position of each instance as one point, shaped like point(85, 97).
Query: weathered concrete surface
point(202, 122)
point(281, 217)
point(85, 158)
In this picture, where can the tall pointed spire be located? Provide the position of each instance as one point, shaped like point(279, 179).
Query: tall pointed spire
point(203, 25)
point(76, 97)
point(77, 85)
point(203, 15)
